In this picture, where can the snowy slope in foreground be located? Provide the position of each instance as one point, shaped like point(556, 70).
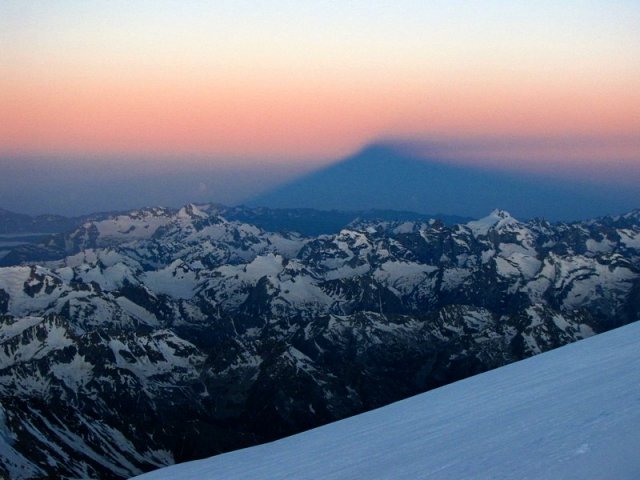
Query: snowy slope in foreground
point(573, 413)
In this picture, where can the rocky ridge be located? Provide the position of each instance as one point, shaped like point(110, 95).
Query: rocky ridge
point(165, 336)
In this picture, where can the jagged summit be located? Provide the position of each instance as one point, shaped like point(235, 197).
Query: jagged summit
point(192, 210)
point(496, 220)
point(503, 214)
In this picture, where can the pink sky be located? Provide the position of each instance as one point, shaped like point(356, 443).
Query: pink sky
point(302, 83)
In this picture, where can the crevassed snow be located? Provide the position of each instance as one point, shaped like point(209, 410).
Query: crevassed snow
point(573, 413)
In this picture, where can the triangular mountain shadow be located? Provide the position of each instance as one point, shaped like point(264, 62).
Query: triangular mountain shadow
point(383, 177)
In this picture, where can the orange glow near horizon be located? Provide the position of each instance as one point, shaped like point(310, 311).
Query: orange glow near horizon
point(109, 87)
point(289, 120)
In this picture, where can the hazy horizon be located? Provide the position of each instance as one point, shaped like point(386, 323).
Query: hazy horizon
point(71, 186)
point(36, 185)
point(111, 105)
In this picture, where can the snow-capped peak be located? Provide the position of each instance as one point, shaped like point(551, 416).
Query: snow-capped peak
point(191, 211)
point(495, 220)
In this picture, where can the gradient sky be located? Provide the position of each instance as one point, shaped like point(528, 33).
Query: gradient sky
point(301, 79)
point(549, 86)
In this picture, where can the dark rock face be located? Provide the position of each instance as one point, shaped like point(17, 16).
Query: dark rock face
point(171, 336)
point(4, 301)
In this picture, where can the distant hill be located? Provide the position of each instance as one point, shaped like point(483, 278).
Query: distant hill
point(11, 223)
point(381, 177)
point(311, 222)
point(25, 236)
point(39, 237)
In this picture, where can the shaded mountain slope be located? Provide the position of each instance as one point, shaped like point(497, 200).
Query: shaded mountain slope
point(572, 413)
point(166, 336)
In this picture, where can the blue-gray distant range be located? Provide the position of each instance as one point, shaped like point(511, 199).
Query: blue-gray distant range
point(384, 177)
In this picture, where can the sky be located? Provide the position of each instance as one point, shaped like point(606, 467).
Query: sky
point(297, 84)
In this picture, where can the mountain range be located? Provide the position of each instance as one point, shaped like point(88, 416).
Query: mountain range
point(162, 336)
point(36, 238)
point(12, 223)
point(571, 414)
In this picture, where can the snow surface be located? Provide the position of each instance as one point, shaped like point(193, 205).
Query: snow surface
point(176, 280)
point(495, 220)
point(133, 226)
point(630, 238)
point(573, 413)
